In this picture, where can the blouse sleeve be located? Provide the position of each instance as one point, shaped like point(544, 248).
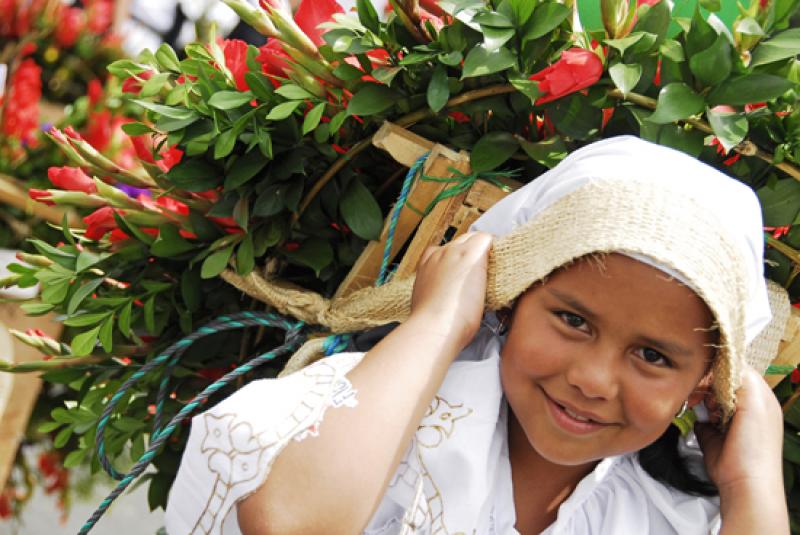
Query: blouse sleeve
point(232, 446)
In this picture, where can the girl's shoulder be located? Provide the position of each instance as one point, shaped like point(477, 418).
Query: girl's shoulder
point(620, 497)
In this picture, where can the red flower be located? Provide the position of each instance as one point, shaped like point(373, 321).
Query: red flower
point(94, 92)
point(235, 51)
point(311, 13)
point(100, 130)
point(273, 60)
point(99, 222)
point(70, 26)
point(100, 15)
point(143, 145)
point(41, 195)
point(459, 117)
point(6, 509)
point(577, 69)
point(132, 85)
point(795, 377)
point(71, 179)
point(21, 113)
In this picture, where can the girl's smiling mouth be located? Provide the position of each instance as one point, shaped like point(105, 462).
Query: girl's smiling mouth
point(572, 420)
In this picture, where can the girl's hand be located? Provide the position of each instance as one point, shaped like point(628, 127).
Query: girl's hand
point(450, 288)
point(746, 461)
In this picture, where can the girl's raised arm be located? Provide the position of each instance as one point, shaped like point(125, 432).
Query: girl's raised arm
point(746, 462)
point(333, 483)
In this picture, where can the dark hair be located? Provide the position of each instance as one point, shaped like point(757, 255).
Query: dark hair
point(664, 463)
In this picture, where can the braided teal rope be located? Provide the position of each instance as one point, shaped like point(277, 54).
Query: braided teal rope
point(335, 343)
point(395, 215)
point(171, 354)
point(293, 340)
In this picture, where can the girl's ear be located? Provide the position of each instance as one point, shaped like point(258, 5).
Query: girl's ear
point(702, 390)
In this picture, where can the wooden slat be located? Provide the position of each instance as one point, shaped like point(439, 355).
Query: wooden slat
point(789, 349)
point(21, 391)
point(366, 269)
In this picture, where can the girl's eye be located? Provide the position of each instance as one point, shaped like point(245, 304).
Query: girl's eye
point(651, 356)
point(573, 320)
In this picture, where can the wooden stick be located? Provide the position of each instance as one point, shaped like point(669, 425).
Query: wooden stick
point(13, 194)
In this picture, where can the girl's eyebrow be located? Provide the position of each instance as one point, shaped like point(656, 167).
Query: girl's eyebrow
point(665, 346)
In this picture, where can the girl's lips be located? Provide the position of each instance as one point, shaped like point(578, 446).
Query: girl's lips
point(568, 422)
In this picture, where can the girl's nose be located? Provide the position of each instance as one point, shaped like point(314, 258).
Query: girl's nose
point(595, 372)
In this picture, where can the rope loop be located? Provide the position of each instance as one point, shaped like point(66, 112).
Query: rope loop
point(295, 335)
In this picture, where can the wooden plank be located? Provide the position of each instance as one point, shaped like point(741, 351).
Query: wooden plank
point(789, 348)
point(19, 391)
point(403, 145)
point(366, 269)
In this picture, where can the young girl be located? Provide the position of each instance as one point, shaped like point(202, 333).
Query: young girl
point(627, 283)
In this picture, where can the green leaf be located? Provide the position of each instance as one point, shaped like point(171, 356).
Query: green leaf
point(347, 72)
point(676, 101)
point(154, 85)
point(748, 89)
point(293, 92)
point(784, 45)
point(480, 61)
point(225, 143)
point(136, 129)
point(283, 110)
point(314, 253)
point(84, 320)
point(360, 211)
point(701, 35)
point(167, 58)
point(780, 203)
point(712, 65)
point(711, 5)
point(438, 89)
point(62, 437)
point(167, 111)
point(729, 127)
point(228, 100)
point(624, 43)
point(84, 343)
point(48, 427)
point(216, 262)
point(87, 259)
point(672, 50)
point(259, 85)
point(491, 18)
point(269, 202)
point(491, 150)
point(494, 38)
point(625, 77)
point(245, 259)
point(82, 293)
point(655, 20)
point(150, 314)
point(372, 99)
point(313, 118)
point(170, 243)
point(575, 116)
point(124, 68)
point(195, 174)
point(245, 168)
point(124, 319)
point(36, 309)
point(548, 152)
point(368, 16)
point(749, 26)
point(106, 334)
point(546, 18)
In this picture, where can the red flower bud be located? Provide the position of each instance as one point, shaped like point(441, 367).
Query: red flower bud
point(41, 195)
point(132, 85)
point(71, 179)
point(577, 69)
point(99, 222)
point(235, 51)
point(70, 26)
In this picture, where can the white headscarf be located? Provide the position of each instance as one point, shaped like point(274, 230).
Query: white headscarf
point(734, 204)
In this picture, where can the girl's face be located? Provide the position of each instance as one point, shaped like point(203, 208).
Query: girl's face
point(601, 356)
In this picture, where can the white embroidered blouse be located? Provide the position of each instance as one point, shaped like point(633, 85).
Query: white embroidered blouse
point(454, 479)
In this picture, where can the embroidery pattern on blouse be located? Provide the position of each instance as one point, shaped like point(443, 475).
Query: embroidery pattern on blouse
point(427, 508)
point(235, 452)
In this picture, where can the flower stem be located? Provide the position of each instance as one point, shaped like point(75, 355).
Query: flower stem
point(746, 147)
point(48, 365)
point(404, 121)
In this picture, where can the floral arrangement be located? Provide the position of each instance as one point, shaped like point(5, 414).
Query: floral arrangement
point(260, 158)
point(71, 44)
